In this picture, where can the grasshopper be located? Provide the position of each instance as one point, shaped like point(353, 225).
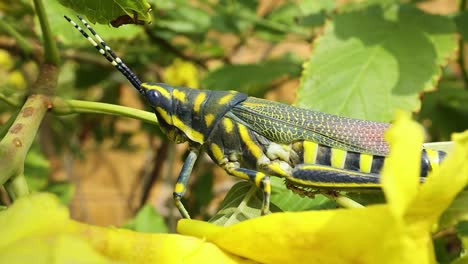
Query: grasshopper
point(254, 139)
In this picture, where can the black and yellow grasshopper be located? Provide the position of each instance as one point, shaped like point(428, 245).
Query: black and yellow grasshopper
point(254, 139)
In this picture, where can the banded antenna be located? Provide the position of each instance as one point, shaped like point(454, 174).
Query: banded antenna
point(107, 52)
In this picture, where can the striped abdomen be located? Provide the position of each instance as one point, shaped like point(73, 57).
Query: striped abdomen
point(313, 153)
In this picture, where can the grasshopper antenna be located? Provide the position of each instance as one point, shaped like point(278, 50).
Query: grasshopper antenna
point(108, 53)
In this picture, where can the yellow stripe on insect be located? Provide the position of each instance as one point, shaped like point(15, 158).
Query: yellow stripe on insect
point(179, 95)
point(225, 99)
point(228, 125)
point(198, 101)
point(338, 157)
point(167, 118)
point(217, 152)
point(158, 88)
point(330, 184)
point(258, 178)
point(188, 131)
point(433, 158)
point(238, 174)
point(365, 162)
point(310, 152)
point(251, 145)
point(209, 118)
point(179, 188)
point(267, 188)
point(276, 168)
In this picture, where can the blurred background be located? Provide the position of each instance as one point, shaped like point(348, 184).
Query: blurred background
point(120, 171)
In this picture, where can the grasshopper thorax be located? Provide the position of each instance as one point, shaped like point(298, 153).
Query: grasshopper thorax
point(187, 114)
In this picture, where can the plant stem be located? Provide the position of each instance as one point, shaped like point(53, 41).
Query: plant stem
point(61, 106)
point(344, 201)
point(51, 52)
point(20, 41)
point(17, 141)
point(17, 187)
point(461, 52)
point(65, 107)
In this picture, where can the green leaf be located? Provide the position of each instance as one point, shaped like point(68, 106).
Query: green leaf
point(457, 211)
point(253, 79)
point(445, 111)
point(105, 11)
point(462, 24)
point(229, 16)
point(183, 18)
point(287, 200)
point(369, 63)
point(66, 33)
point(147, 220)
point(298, 17)
point(242, 202)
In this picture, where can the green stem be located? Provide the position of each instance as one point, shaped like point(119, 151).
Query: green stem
point(51, 53)
point(68, 107)
point(65, 107)
point(272, 25)
point(12, 100)
point(16, 143)
point(461, 52)
point(5, 127)
point(344, 201)
point(20, 41)
point(17, 187)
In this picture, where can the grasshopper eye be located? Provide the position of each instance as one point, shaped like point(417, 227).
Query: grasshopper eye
point(154, 97)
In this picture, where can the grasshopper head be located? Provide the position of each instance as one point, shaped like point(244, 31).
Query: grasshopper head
point(160, 97)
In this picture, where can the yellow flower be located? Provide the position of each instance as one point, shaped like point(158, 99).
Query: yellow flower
point(37, 229)
point(182, 73)
point(396, 232)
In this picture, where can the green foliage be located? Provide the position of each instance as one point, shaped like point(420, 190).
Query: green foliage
point(105, 11)
point(242, 202)
point(377, 60)
point(147, 220)
point(253, 79)
point(462, 20)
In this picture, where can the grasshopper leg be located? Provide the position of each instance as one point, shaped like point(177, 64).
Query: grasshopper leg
point(181, 185)
point(260, 180)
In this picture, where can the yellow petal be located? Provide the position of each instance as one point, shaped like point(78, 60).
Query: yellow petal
point(400, 175)
point(60, 248)
point(129, 246)
point(367, 235)
point(37, 228)
point(33, 215)
point(442, 186)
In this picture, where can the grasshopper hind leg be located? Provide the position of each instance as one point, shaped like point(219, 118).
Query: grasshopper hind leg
point(311, 179)
point(260, 180)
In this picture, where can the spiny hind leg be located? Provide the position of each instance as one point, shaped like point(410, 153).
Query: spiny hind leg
point(328, 178)
point(260, 180)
